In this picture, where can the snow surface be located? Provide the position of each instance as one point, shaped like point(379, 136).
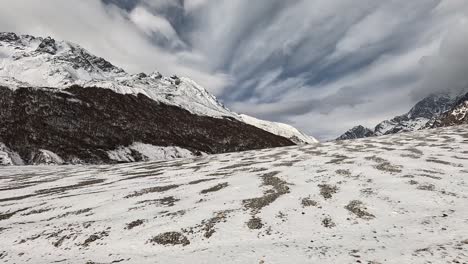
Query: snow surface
point(23, 63)
point(149, 153)
point(394, 199)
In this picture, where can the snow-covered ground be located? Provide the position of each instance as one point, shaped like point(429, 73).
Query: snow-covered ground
point(392, 199)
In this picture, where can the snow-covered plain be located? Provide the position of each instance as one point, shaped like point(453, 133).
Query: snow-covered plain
point(394, 199)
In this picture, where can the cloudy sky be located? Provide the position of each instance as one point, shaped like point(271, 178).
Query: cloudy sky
point(321, 65)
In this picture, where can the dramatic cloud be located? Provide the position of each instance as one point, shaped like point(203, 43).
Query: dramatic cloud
point(323, 66)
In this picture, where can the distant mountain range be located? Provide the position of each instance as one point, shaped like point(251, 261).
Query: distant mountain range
point(437, 110)
point(60, 104)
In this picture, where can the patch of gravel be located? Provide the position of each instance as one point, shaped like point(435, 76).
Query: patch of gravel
point(8, 214)
point(279, 188)
point(255, 205)
point(388, 167)
point(415, 151)
point(375, 159)
point(282, 216)
point(357, 208)
point(134, 224)
point(37, 211)
point(430, 176)
point(328, 222)
point(426, 187)
point(215, 188)
point(95, 237)
point(207, 227)
point(345, 173)
point(255, 223)
point(70, 187)
point(367, 192)
point(413, 182)
point(201, 180)
point(170, 238)
point(434, 160)
point(327, 190)
point(173, 214)
point(412, 156)
point(339, 159)
point(307, 202)
point(156, 189)
point(239, 165)
point(60, 241)
point(78, 212)
point(166, 201)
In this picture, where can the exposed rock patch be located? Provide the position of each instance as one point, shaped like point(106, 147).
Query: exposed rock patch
point(358, 209)
point(170, 238)
point(215, 188)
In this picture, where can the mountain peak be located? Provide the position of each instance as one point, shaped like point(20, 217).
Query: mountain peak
point(424, 114)
point(48, 45)
point(434, 104)
point(357, 132)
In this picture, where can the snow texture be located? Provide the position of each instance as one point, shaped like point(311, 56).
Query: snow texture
point(394, 199)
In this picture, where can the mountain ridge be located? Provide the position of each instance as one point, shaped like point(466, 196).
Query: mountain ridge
point(50, 71)
point(424, 114)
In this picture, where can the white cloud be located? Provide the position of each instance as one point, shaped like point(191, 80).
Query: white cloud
point(154, 24)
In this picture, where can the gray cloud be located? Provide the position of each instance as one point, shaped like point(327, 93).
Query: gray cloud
point(300, 61)
point(447, 70)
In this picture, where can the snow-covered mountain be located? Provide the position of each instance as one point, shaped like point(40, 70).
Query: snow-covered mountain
point(429, 108)
point(357, 132)
point(44, 62)
point(280, 129)
point(425, 111)
point(391, 199)
point(60, 70)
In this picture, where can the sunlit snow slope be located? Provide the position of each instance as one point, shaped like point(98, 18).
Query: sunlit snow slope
point(392, 199)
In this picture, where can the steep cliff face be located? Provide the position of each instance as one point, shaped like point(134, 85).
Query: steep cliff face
point(83, 124)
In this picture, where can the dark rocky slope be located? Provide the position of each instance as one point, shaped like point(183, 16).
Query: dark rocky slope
point(82, 124)
point(457, 115)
